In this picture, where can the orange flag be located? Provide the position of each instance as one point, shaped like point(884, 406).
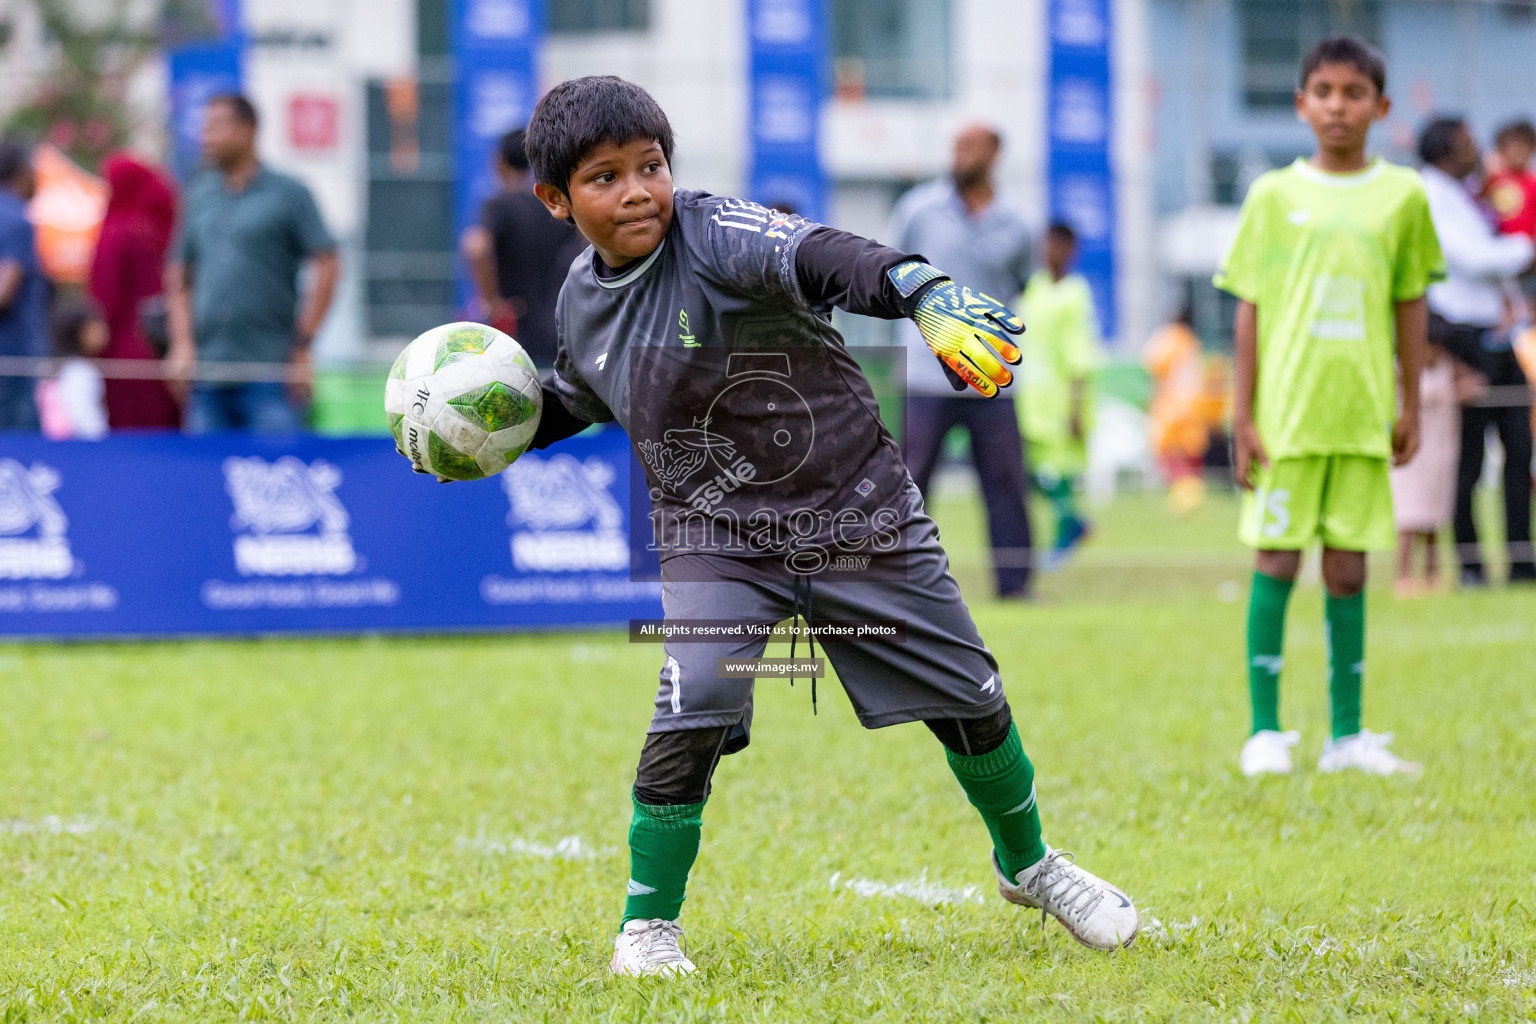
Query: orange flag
point(67, 212)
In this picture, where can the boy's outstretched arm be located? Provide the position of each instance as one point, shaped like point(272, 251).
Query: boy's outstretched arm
point(1412, 344)
point(556, 422)
point(1247, 449)
point(966, 330)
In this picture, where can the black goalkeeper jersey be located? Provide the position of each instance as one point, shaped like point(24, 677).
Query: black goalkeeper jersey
point(758, 431)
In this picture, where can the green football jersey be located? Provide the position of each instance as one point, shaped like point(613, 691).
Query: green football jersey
point(1325, 257)
point(1061, 344)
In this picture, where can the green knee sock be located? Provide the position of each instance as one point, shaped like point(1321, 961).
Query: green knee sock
point(1266, 647)
point(1346, 660)
point(663, 842)
point(1001, 785)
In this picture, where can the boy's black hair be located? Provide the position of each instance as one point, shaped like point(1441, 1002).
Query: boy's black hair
point(243, 109)
point(1438, 139)
point(1351, 50)
point(1517, 131)
point(67, 322)
point(1062, 230)
point(582, 113)
point(512, 152)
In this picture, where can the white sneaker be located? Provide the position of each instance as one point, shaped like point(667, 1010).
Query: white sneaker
point(1366, 751)
point(1268, 752)
point(1094, 912)
point(646, 948)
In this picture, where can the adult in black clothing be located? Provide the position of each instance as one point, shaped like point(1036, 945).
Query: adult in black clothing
point(1469, 317)
point(518, 255)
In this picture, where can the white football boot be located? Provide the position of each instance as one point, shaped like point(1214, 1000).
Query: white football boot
point(1366, 751)
point(1268, 752)
point(646, 948)
point(1094, 912)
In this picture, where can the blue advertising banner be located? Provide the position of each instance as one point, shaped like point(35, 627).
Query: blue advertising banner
point(495, 45)
point(169, 535)
point(787, 40)
point(197, 72)
point(1080, 115)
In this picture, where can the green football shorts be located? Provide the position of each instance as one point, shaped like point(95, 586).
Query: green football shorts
point(1343, 500)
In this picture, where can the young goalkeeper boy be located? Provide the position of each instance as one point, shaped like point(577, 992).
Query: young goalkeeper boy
point(701, 325)
point(1331, 262)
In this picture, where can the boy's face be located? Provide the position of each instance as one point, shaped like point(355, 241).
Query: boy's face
point(1059, 253)
point(1515, 154)
point(620, 197)
point(1340, 102)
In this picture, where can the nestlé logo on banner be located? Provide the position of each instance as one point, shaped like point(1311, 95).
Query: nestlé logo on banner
point(563, 515)
point(33, 545)
point(287, 519)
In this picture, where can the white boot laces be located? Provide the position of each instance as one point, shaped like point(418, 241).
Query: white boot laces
point(659, 942)
point(1055, 883)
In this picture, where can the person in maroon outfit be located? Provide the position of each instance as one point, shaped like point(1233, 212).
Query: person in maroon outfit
point(130, 257)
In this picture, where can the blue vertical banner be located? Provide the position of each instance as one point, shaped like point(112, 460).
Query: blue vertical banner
point(787, 40)
point(199, 70)
point(1080, 120)
point(495, 46)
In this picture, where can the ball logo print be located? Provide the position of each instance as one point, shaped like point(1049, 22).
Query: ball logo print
point(33, 545)
point(463, 401)
point(287, 518)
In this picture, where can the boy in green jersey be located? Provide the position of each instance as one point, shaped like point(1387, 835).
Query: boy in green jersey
point(1061, 351)
point(1331, 262)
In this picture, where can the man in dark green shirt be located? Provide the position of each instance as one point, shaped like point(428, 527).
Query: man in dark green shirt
point(246, 233)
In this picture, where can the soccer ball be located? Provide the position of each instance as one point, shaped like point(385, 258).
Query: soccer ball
point(463, 401)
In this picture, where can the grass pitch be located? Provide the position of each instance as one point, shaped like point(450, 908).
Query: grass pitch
point(433, 829)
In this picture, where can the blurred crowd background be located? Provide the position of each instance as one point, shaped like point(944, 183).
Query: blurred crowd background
point(370, 154)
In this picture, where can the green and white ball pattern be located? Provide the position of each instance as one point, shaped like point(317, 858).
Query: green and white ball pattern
point(463, 401)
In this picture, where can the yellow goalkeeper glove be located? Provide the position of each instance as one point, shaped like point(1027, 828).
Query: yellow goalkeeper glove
point(967, 330)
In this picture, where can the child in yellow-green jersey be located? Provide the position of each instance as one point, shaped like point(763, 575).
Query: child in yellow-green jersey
point(1061, 351)
point(1331, 262)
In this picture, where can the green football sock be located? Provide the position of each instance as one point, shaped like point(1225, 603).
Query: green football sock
point(1061, 495)
point(663, 842)
point(1346, 660)
point(1001, 785)
point(1266, 648)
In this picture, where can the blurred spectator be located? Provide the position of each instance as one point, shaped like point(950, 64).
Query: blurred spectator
point(1061, 351)
point(126, 280)
point(1467, 310)
point(232, 287)
point(1511, 187)
point(519, 255)
point(964, 228)
point(71, 403)
point(23, 290)
point(1179, 421)
point(1424, 490)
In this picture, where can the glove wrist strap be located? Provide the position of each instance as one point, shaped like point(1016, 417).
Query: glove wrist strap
point(912, 280)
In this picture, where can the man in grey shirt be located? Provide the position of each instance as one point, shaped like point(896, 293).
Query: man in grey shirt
point(960, 224)
point(233, 283)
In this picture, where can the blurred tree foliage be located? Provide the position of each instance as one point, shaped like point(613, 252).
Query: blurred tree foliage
point(80, 104)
